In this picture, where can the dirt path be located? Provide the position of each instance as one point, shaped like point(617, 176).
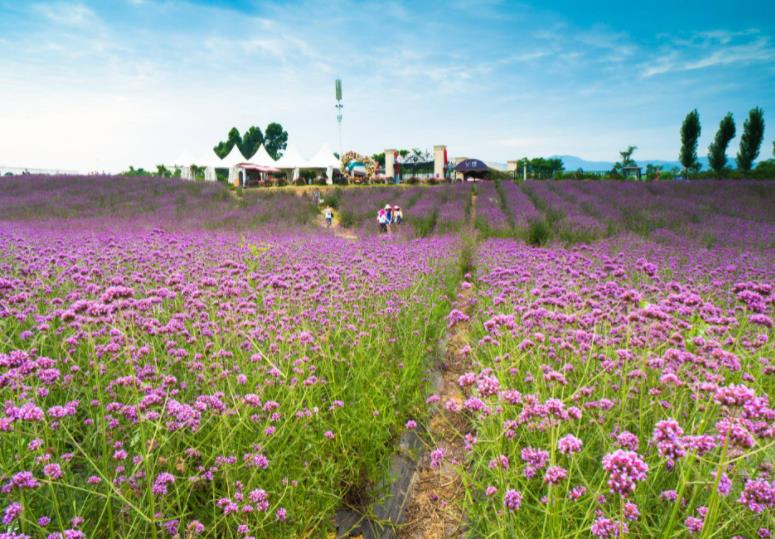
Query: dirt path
point(434, 509)
point(339, 231)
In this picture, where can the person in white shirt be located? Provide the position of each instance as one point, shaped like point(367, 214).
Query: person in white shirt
point(329, 213)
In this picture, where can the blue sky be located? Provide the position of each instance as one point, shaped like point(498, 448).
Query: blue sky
point(97, 85)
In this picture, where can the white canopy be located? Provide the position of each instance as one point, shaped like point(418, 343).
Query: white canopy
point(208, 159)
point(290, 159)
point(184, 159)
point(233, 159)
point(204, 159)
point(262, 158)
point(325, 158)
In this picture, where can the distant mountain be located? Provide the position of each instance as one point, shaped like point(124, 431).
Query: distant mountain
point(496, 165)
point(572, 162)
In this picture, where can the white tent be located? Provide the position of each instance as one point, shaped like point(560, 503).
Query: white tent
point(183, 163)
point(325, 158)
point(290, 159)
point(262, 158)
point(210, 161)
point(231, 161)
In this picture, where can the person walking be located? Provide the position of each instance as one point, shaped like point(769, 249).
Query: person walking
point(398, 216)
point(382, 220)
point(390, 217)
point(329, 213)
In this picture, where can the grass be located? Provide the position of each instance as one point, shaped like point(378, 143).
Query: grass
point(424, 225)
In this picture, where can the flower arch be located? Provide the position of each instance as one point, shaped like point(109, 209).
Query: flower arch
point(368, 162)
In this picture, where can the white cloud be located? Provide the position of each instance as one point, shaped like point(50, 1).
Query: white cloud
point(66, 14)
point(711, 49)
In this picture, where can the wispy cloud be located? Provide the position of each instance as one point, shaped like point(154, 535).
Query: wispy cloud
point(711, 49)
point(66, 13)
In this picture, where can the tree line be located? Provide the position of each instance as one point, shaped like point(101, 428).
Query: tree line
point(750, 145)
point(750, 142)
point(274, 139)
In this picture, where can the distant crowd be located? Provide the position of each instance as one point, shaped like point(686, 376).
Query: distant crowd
point(388, 217)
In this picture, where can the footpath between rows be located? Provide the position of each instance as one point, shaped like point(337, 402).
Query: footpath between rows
point(425, 498)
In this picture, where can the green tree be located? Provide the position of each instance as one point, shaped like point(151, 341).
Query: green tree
point(540, 167)
point(627, 161)
point(223, 148)
point(275, 140)
point(751, 141)
point(717, 151)
point(250, 142)
point(136, 172)
point(690, 134)
point(379, 158)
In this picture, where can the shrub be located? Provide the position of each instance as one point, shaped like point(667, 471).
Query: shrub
point(538, 233)
point(333, 198)
point(424, 225)
point(346, 218)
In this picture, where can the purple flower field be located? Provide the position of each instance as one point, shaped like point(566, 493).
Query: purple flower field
point(177, 360)
point(643, 375)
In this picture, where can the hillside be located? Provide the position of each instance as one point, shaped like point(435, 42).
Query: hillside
point(572, 162)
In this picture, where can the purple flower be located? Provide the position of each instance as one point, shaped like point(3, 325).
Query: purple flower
point(512, 500)
point(437, 456)
point(625, 469)
point(693, 524)
point(25, 480)
point(11, 513)
point(456, 316)
point(668, 438)
point(628, 440)
point(758, 495)
point(555, 474)
point(160, 483)
point(605, 528)
point(569, 444)
point(195, 528)
point(52, 471)
point(724, 484)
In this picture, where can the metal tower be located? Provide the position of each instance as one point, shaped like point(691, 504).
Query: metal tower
point(339, 108)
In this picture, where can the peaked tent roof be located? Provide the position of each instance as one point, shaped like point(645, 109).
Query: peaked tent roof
point(290, 159)
point(233, 159)
point(204, 159)
point(323, 159)
point(208, 159)
point(262, 158)
point(184, 159)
